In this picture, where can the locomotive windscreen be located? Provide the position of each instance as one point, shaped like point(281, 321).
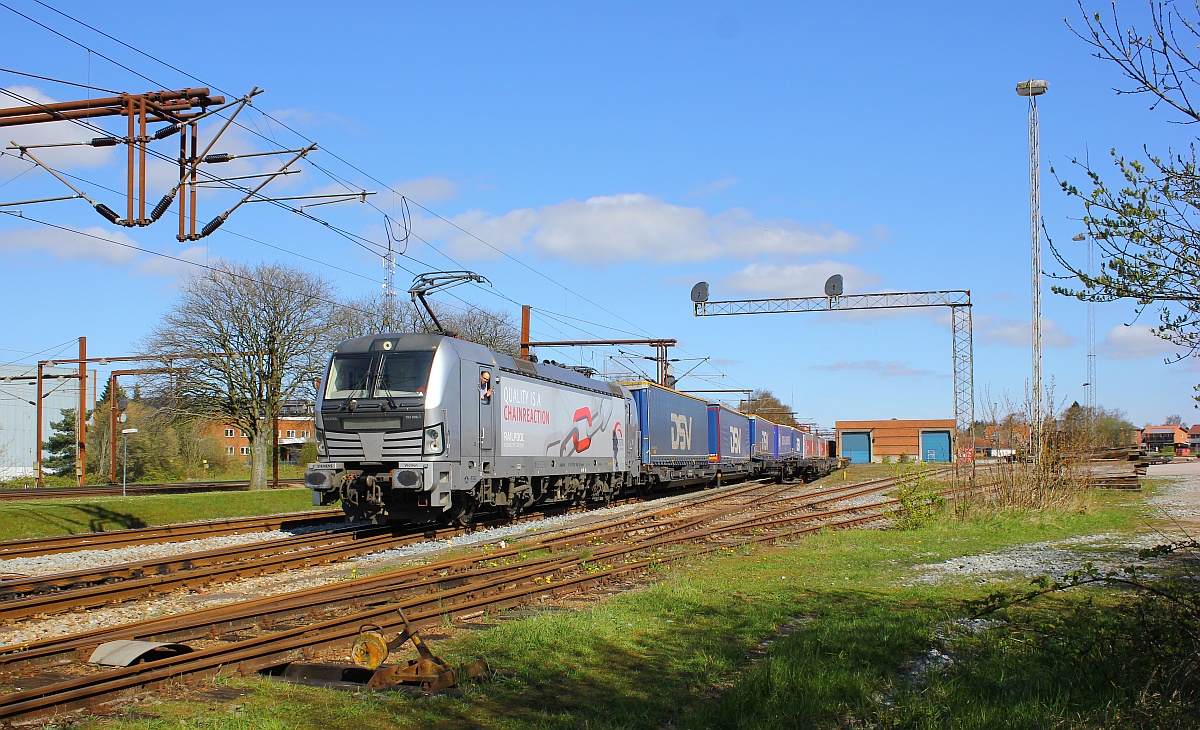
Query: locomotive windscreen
point(379, 375)
point(403, 373)
point(348, 376)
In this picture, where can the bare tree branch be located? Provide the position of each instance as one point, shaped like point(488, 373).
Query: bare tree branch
point(273, 323)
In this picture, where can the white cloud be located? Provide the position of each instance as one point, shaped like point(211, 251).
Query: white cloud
point(505, 233)
point(888, 369)
point(161, 266)
point(992, 330)
point(49, 133)
point(70, 245)
point(428, 189)
point(1124, 342)
point(635, 226)
point(797, 280)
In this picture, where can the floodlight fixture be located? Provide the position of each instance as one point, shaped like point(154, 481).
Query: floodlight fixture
point(1032, 87)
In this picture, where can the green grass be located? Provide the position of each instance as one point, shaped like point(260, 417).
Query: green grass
point(815, 634)
point(45, 518)
point(239, 471)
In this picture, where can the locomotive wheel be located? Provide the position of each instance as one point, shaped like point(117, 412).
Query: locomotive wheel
point(464, 512)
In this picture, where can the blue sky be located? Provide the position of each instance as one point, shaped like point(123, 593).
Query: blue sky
point(617, 153)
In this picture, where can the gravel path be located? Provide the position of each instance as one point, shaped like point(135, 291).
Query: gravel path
point(1174, 513)
point(100, 558)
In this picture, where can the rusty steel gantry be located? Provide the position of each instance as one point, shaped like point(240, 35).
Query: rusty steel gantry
point(177, 109)
point(660, 345)
point(662, 376)
point(181, 110)
point(959, 302)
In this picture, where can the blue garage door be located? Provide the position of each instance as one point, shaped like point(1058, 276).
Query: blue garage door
point(857, 447)
point(935, 446)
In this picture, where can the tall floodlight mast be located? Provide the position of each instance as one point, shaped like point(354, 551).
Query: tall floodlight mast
point(1032, 89)
point(1089, 385)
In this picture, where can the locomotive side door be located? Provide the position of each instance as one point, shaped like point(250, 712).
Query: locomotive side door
point(469, 419)
point(487, 396)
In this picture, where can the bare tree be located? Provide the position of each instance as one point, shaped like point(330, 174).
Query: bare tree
point(765, 404)
point(493, 329)
point(271, 321)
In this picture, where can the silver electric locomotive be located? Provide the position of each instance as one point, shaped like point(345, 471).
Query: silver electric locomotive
point(425, 428)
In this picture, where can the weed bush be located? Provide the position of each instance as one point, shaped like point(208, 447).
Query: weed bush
point(920, 501)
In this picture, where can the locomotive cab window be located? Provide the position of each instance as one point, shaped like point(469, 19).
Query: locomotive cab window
point(403, 374)
point(485, 387)
point(348, 376)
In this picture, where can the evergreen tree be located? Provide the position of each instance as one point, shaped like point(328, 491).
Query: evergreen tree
point(105, 393)
point(60, 447)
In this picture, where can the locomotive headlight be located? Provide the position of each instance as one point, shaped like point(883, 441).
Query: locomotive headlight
point(435, 443)
point(320, 442)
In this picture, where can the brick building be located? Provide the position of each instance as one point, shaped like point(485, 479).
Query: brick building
point(1157, 438)
point(893, 440)
point(296, 428)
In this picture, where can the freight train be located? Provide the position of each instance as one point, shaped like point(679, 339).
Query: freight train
point(423, 428)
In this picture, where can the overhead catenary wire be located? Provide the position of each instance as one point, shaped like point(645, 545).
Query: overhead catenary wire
point(302, 136)
point(58, 81)
point(468, 306)
point(277, 121)
point(197, 264)
point(222, 230)
point(188, 262)
point(346, 234)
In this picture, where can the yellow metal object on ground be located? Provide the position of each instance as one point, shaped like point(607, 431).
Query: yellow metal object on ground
point(428, 671)
point(370, 649)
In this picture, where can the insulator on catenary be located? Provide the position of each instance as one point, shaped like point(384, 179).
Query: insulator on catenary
point(104, 142)
point(212, 225)
point(218, 157)
point(166, 131)
point(108, 213)
point(162, 206)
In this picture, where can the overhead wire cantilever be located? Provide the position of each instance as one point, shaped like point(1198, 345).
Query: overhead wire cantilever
point(100, 208)
point(215, 223)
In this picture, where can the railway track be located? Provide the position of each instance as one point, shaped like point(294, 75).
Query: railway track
point(163, 533)
point(136, 490)
point(24, 597)
point(294, 626)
